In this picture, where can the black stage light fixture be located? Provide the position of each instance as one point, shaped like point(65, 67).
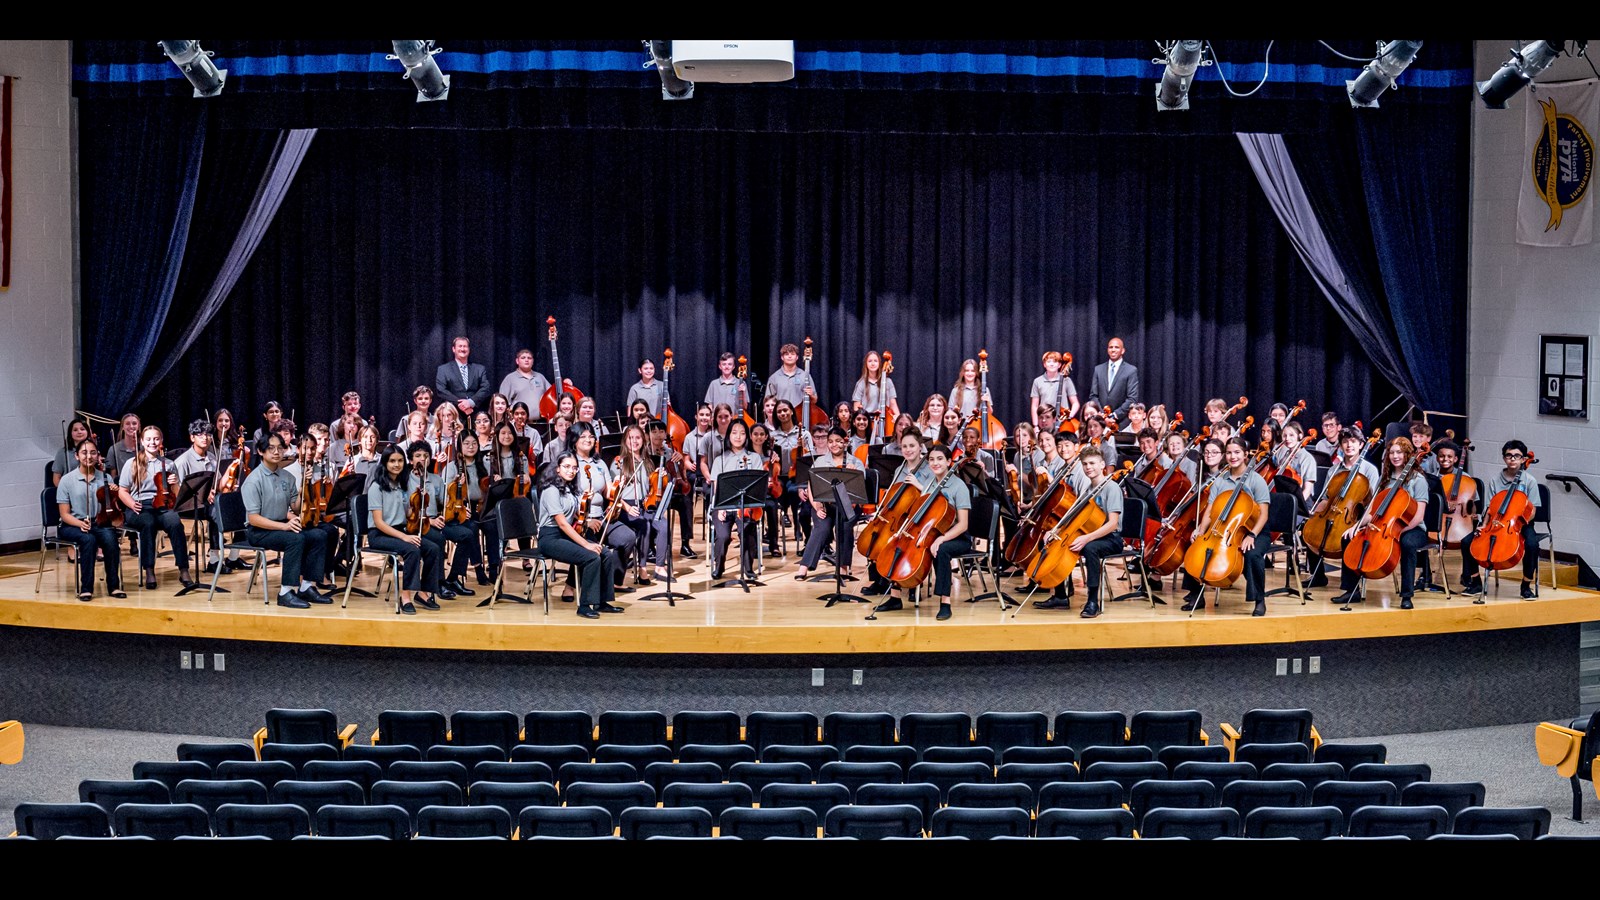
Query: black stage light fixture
point(417, 57)
point(196, 65)
point(659, 54)
point(1379, 75)
point(1182, 58)
point(1523, 66)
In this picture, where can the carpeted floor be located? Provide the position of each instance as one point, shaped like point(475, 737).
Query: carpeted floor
point(1501, 757)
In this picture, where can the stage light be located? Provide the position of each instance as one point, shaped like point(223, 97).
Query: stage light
point(1182, 58)
point(660, 56)
point(1379, 75)
point(1523, 66)
point(196, 65)
point(417, 57)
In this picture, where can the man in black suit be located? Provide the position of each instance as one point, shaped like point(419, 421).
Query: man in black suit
point(1116, 383)
point(462, 383)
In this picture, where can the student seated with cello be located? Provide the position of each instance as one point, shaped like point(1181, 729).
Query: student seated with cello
point(1513, 477)
point(833, 524)
point(913, 470)
point(1239, 474)
point(1351, 460)
point(79, 501)
point(952, 543)
point(271, 499)
point(147, 487)
point(1213, 462)
point(1414, 535)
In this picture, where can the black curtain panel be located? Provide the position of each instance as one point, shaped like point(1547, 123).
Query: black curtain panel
point(931, 246)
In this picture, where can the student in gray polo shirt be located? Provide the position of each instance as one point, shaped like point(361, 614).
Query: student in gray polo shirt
point(270, 495)
point(78, 502)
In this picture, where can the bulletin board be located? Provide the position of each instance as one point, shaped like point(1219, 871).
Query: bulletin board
point(1564, 376)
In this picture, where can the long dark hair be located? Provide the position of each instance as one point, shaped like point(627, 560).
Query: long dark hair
point(385, 481)
point(551, 476)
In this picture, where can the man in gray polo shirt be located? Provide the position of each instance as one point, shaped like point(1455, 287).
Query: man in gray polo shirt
point(269, 495)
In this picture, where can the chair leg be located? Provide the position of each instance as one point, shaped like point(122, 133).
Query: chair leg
point(266, 583)
point(216, 573)
point(39, 581)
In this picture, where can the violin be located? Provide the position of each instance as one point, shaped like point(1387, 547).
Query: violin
point(1055, 559)
point(164, 498)
point(1460, 495)
point(1346, 495)
point(677, 428)
point(524, 481)
point(1172, 426)
point(456, 509)
point(1374, 550)
point(1216, 558)
point(904, 558)
point(991, 433)
point(321, 494)
point(743, 374)
point(774, 482)
point(237, 469)
point(111, 512)
point(552, 395)
point(1499, 544)
point(417, 521)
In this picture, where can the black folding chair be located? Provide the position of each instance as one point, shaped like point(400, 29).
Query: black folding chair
point(360, 523)
point(1134, 511)
point(983, 526)
point(517, 521)
point(229, 515)
point(1283, 519)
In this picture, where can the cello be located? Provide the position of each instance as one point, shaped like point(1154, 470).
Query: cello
point(1067, 425)
point(1167, 491)
point(886, 519)
point(1052, 503)
point(552, 395)
point(1374, 550)
point(1055, 559)
point(677, 428)
point(1345, 495)
point(1175, 532)
point(1499, 544)
point(1216, 558)
point(904, 558)
point(991, 434)
point(1460, 493)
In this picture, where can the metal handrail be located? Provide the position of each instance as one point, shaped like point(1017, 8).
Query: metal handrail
point(1567, 481)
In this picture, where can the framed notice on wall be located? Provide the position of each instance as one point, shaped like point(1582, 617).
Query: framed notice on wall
point(1564, 376)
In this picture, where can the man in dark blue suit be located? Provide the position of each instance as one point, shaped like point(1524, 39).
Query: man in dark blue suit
point(466, 384)
point(1116, 383)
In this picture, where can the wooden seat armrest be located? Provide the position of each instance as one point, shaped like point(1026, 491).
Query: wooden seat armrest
point(1205, 739)
point(1594, 775)
point(347, 734)
point(1230, 739)
point(258, 739)
point(12, 740)
point(1558, 746)
point(1316, 739)
point(376, 734)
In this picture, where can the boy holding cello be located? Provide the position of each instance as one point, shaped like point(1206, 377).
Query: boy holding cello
point(1513, 477)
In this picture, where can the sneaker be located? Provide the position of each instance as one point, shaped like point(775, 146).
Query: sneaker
point(1473, 588)
point(1528, 592)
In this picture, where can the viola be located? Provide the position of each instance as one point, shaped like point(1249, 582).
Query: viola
point(111, 513)
point(456, 508)
point(524, 480)
point(321, 494)
point(774, 482)
point(991, 434)
point(552, 395)
point(904, 558)
point(416, 513)
point(237, 469)
point(1216, 558)
point(1499, 544)
point(1374, 550)
point(677, 428)
point(1269, 467)
point(1055, 559)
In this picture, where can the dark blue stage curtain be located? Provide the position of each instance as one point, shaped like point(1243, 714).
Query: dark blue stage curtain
point(908, 196)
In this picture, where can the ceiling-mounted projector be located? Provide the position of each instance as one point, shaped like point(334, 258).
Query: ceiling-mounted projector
point(733, 62)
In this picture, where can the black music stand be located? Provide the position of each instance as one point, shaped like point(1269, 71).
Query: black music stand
point(663, 519)
point(609, 448)
point(340, 503)
point(737, 491)
point(847, 488)
point(191, 504)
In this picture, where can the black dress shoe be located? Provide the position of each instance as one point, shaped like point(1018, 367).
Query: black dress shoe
point(588, 612)
point(1528, 593)
point(620, 589)
point(1405, 603)
point(405, 609)
point(310, 595)
point(609, 608)
point(460, 587)
point(1261, 608)
point(1351, 596)
point(889, 605)
point(1053, 603)
point(1193, 600)
point(873, 590)
point(483, 577)
point(687, 553)
point(1090, 611)
point(236, 565)
point(1318, 580)
point(445, 593)
point(716, 573)
point(341, 570)
point(944, 612)
point(426, 602)
point(327, 587)
point(293, 601)
point(1430, 587)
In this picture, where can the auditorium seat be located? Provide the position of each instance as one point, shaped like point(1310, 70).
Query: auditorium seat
point(644, 822)
point(268, 772)
point(813, 755)
point(660, 774)
point(1079, 730)
point(1196, 824)
point(161, 821)
point(614, 797)
point(513, 797)
point(1310, 775)
point(632, 727)
point(714, 798)
point(853, 775)
point(108, 794)
point(392, 822)
point(553, 755)
point(453, 772)
point(1045, 755)
point(476, 728)
point(513, 773)
point(1350, 796)
point(278, 821)
point(313, 795)
point(1126, 774)
point(1350, 755)
point(1573, 750)
point(1187, 794)
point(1415, 822)
point(759, 775)
point(1263, 754)
point(556, 727)
point(636, 755)
point(1082, 795)
point(1272, 726)
point(463, 822)
point(1248, 795)
point(1085, 824)
point(819, 798)
point(298, 755)
point(1176, 755)
point(725, 755)
point(1166, 728)
point(564, 822)
point(925, 797)
point(1453, 796)
point(1398, 775)
point(1525, 822)
point(899, 754)
point(705, 727)
point(170, 773)
point(468, 755)
point(48, 821)
point(764, 729)
point(211, 754)
point(870, 823)
point(1308, 823)
point(419, 728)
point(765, 823)
point(594, 773)
point(412, 796)
point(304, 726)
point(1220, 774)
point(948, 775)
point(992, 796)
point(1035, 776)
point(924, 730)
point(1001, 731)
point(849, 729)
point(1127, 753)
point(382, 754)
point(980, 824)
point(981, 755)
point(363, 772)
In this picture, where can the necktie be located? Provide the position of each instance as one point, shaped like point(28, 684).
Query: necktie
point(463, 375)
point(1111, 375)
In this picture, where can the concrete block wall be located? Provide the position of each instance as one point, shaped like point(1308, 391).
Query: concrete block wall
point(38, 346)
point(1518, 293)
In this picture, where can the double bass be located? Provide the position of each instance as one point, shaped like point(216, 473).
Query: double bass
point(1499, 544)
point(1374, 550)
point(1067, 425)
point(904, 558)
point(743, 374)
point(991, 434)
point(677, 428)
point(1216, 558)
point(810, 414)
point(552, 395)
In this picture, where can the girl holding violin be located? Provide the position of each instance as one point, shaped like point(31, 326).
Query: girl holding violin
point(711, 442)
point(525, 432)
point(762, 445)
point(483, 426)
point(81, 495)
point(1513, 477)
point(874, 391)
point(1239, 475)
point(951, 543)
point(735, 456)
point(446, 428)
point(594, 481)
point(1053, 390)
point(147, 487)
point(1096, 436)
point(931, 420)
point(499, 408)
point(469, 469)
point(1291, 457)
point(463, 536)
point(366, 452)
point(659, 446)
point(1414, 535)
point(1351, 459)
point(964, 394)
point(631, 472)
point(913, 470)
point(834, 524)
point(561, 540)
point(388, 505)
point(788, 436)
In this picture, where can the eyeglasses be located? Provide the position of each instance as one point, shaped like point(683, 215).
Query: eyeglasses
point(1514, 456)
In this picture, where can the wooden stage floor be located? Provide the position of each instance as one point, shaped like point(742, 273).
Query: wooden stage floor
point(782, 617)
